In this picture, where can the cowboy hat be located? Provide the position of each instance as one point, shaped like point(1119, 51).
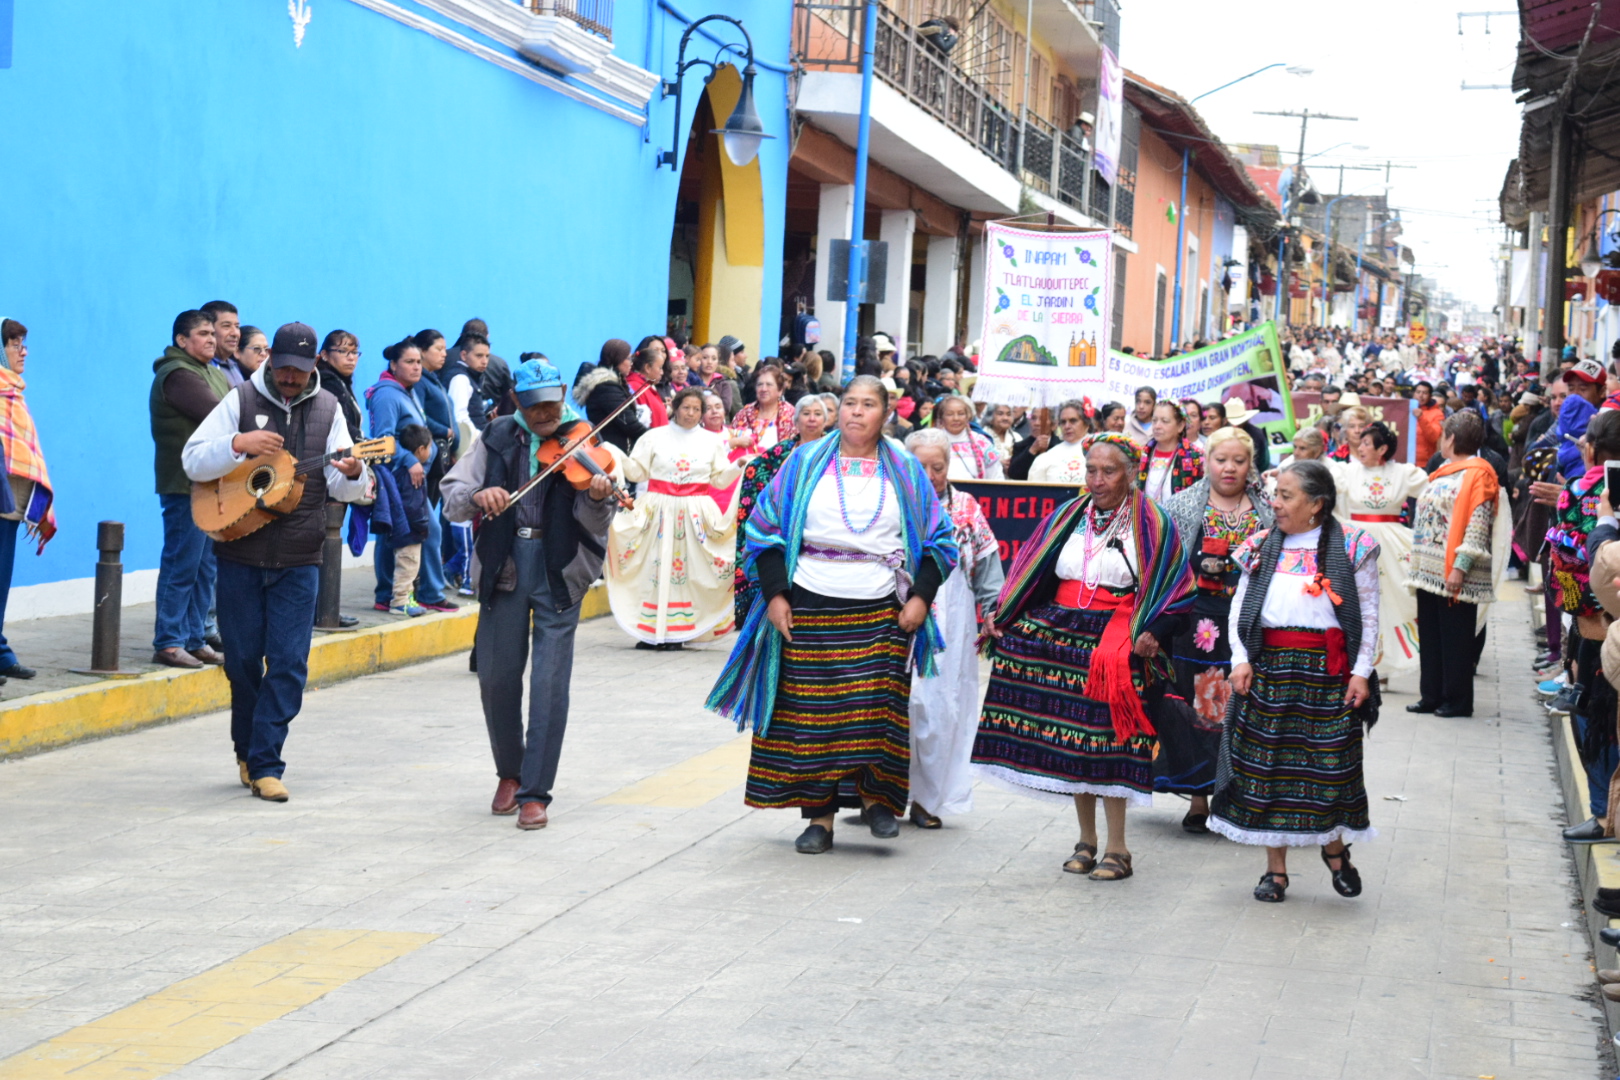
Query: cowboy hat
point(1237, 413)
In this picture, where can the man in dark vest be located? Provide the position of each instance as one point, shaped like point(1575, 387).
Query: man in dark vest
point(536, 561)
point(268, 579)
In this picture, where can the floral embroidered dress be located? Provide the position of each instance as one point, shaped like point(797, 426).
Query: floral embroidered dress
point(1372, 500)
point(1190, 738)
point(670, 560)
point(767, 433)
point(974, 457)
point(1167, 470)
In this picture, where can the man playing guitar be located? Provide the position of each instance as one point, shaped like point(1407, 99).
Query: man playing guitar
point(268, 579)
point(536, 559)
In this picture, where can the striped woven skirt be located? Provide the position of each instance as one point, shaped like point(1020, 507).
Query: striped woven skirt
point(1292, 775)
point(1039, 732)
point(840, 729)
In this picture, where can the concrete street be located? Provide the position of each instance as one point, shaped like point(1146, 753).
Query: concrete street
point(659, 928)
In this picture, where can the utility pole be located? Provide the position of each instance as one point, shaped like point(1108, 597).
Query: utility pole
point(1299, 181)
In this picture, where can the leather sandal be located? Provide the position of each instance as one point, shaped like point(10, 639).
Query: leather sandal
point(1114, 866)
point(1346, 879)
point(1084, 860)
point(1273, 888)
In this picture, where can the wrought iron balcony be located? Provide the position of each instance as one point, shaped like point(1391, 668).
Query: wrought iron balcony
point(593, 15)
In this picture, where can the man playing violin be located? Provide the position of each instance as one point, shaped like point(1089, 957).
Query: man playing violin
point(536, 559)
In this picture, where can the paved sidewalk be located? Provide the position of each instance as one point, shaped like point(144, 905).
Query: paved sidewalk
point(660, 928)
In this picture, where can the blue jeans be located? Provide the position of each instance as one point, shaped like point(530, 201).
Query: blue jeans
point(185, 587)
point(8, 559)
point(429, 580)
point(266, 618)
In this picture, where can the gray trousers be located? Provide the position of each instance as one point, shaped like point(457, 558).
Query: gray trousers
point(505, 627)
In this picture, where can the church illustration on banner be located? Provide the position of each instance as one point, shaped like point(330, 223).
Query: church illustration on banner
point(1027, 350)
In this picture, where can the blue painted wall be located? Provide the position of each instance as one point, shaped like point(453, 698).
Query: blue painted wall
point(172, 152)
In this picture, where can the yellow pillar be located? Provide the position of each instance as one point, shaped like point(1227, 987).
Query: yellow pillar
point(729, 275)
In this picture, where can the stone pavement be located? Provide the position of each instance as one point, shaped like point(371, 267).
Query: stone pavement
point(659, 928)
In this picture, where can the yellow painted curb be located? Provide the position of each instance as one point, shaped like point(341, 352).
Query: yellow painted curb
point(113, 706)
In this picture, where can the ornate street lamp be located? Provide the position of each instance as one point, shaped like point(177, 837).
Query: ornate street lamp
point(743, 131)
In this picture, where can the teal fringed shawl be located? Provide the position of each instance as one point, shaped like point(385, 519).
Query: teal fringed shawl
point(746, 690)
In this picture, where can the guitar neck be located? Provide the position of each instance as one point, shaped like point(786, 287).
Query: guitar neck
point(309, 465)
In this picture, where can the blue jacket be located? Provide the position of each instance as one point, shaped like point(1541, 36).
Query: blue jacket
point(1572, 420)
point(441, 413)
point(391, 407)
point(411, 526)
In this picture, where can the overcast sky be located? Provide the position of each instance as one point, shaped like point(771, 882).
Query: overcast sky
point(1397, 67)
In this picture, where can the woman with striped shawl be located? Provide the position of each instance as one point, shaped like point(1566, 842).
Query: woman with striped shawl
point(1304, 630)
point(1091, 603)
point(848, 546)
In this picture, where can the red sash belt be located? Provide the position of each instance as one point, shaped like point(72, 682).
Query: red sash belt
point(1338, 660)
point(1109, 679)
point(1376, 517)
point(664, 487)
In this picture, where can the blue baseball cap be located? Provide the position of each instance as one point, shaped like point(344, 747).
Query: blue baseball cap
point(536, 381)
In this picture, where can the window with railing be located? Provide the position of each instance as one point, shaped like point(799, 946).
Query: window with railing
point(594, 15)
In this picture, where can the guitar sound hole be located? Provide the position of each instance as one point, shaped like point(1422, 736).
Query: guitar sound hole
point(260, 480)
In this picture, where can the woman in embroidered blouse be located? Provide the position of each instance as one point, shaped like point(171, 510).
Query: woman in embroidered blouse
point(1213, 518)
point(848, 545)
point(945, 710)
point(670, 559)
point(769, 420)
point(1170, 462)
point(1064, 461)
point(813, 418)
point(1373, 489)
point(1303, 638)
point(973, 456)
point(1096, 589)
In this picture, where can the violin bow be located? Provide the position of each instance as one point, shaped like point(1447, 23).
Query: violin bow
point(568, 451)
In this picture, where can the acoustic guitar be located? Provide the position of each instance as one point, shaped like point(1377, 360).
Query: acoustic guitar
point(265, 488)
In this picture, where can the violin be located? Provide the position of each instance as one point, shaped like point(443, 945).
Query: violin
point(577, 452)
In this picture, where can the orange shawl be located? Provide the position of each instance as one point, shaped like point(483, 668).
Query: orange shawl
point(1479, 485)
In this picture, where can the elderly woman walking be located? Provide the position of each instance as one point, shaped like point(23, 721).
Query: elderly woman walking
point(1094, 596)
point(1213, 518)
point(28, 499)
point(945, 710)
point(1303, 634)
point(1453, 536)
point(849, 545)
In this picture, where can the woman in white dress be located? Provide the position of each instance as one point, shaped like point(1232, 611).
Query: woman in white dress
point(973, 456)
point(945, 710)
point(1372, 492)
point(669, 565)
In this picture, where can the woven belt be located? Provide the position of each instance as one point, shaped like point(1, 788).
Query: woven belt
point(1394, 518)
point(664, 487)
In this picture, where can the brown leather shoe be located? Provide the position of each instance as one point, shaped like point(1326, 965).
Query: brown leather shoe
point(532, 815)
point(270, 789)
point(505, 798)
point(176, 657)
point(1608, 975)
point(241, 771)
point(207, 655)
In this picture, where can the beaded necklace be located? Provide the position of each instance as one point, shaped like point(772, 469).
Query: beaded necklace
point(843, 507)
point(1101, 527)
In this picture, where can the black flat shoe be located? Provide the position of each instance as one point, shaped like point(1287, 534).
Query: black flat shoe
point(1273, 888)
point(1421, 707)
point(1346, 879)
point(1610, 936)
point(880, 819)
point(1589, 831)
point(17, 671)
point(646, 646)
point(1197, 824)
point(1447, 710)
point(816, 840)
point(346, 621)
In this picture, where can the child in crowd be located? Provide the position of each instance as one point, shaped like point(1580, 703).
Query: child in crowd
point(408, 555)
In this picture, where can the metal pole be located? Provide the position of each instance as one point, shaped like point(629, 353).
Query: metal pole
point(1023, 109)
point(1532, 313)
point(107, 620)
point(1181, 247)
point(857, 216)
point(1557, 245)
point(329, 596)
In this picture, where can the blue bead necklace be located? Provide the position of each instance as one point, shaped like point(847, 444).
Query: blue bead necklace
point(843, 507)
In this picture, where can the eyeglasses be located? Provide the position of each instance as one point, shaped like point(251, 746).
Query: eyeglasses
point(345, 352)
point(257, 349)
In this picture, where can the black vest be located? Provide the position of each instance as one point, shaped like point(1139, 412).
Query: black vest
point(294, 540)
point(549, 507)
